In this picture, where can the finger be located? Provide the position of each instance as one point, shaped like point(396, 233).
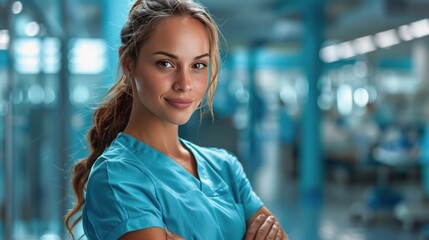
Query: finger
point(254, 226)
point(272, 234)
point(265, 228)
point(168, 233)
point(172, 236)
point(279, 235)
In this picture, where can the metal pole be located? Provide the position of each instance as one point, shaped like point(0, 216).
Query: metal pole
point(253, 151)
point(64, 108)
point(8, 132)
point(311, 161)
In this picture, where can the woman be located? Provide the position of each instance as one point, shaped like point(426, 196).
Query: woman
point(141, 180)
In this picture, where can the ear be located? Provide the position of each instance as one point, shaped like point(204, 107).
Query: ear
point(126, 63)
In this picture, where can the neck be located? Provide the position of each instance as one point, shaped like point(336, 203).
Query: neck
point(148, 128)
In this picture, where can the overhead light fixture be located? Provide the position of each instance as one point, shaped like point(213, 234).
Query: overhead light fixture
point(345, 50)
point(4, 39)
point(87, 56)
point(405, 33)
point(31, 29)
point(345, 99)
point(328, 54)
point(17, 7)
point(363, 45)
point(361, 97)
point(386, 39)
point(27, 55)
point(420, 28)
point(383, 39)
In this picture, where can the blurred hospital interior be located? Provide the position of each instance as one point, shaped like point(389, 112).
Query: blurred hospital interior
point(324, 102)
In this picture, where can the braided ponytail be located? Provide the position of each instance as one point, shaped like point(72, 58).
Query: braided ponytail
point(109, 119)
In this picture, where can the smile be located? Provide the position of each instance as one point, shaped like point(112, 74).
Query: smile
point(179, 103)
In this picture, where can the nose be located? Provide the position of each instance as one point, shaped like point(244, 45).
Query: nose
point(183, 82)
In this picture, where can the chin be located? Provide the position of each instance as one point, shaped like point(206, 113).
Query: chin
point(179, 120)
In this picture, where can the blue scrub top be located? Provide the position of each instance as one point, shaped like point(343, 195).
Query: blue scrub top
point(132, 186)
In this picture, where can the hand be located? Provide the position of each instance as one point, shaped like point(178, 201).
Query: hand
point(264, 227)
point(172, 236)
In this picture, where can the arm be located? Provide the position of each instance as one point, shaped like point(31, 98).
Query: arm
point(154, 233)
point(151, 234)
point(263, 225)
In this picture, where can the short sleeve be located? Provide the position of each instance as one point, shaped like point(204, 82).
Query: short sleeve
point(120, 198)
point(242, 188)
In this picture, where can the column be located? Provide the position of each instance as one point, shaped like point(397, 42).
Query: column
point(311, 167)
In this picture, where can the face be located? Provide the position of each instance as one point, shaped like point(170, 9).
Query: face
point(170, 75)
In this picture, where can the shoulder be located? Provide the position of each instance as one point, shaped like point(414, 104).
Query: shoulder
point(117, 157)
point(117, 166)
point(120, 197)
point(117, 191)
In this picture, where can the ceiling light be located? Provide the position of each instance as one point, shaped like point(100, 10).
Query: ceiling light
point(32, 29)
point(17, 7)
point(420, 28)
point(345, 50)
point(363, 45)
point(361, 97)
point(329, 54)
point(386, 39)
point(4, 39)
point(404, 33)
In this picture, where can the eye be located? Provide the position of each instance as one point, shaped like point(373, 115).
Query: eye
point(199, 65)
point(165, 64)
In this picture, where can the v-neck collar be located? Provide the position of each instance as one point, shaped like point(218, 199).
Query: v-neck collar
point(160, 162)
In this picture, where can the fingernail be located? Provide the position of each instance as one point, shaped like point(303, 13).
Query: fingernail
point(261, 216)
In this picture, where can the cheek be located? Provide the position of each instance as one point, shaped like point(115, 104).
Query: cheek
point(150, 83)
point(142, 77)
point(142, 87)
point(200, 89)
point(202, 84)
point(138, 85)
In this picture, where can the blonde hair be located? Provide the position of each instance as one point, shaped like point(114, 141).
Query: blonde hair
point(112, 116)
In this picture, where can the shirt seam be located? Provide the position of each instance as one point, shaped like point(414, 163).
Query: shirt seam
point(119, 202)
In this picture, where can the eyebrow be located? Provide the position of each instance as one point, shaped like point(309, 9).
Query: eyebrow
point(176, 57)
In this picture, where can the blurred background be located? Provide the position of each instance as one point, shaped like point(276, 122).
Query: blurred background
point(325, 102)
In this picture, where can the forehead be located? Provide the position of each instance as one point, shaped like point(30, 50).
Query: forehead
point(179, 34)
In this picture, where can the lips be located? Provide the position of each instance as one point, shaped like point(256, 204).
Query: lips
point(179, 103)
